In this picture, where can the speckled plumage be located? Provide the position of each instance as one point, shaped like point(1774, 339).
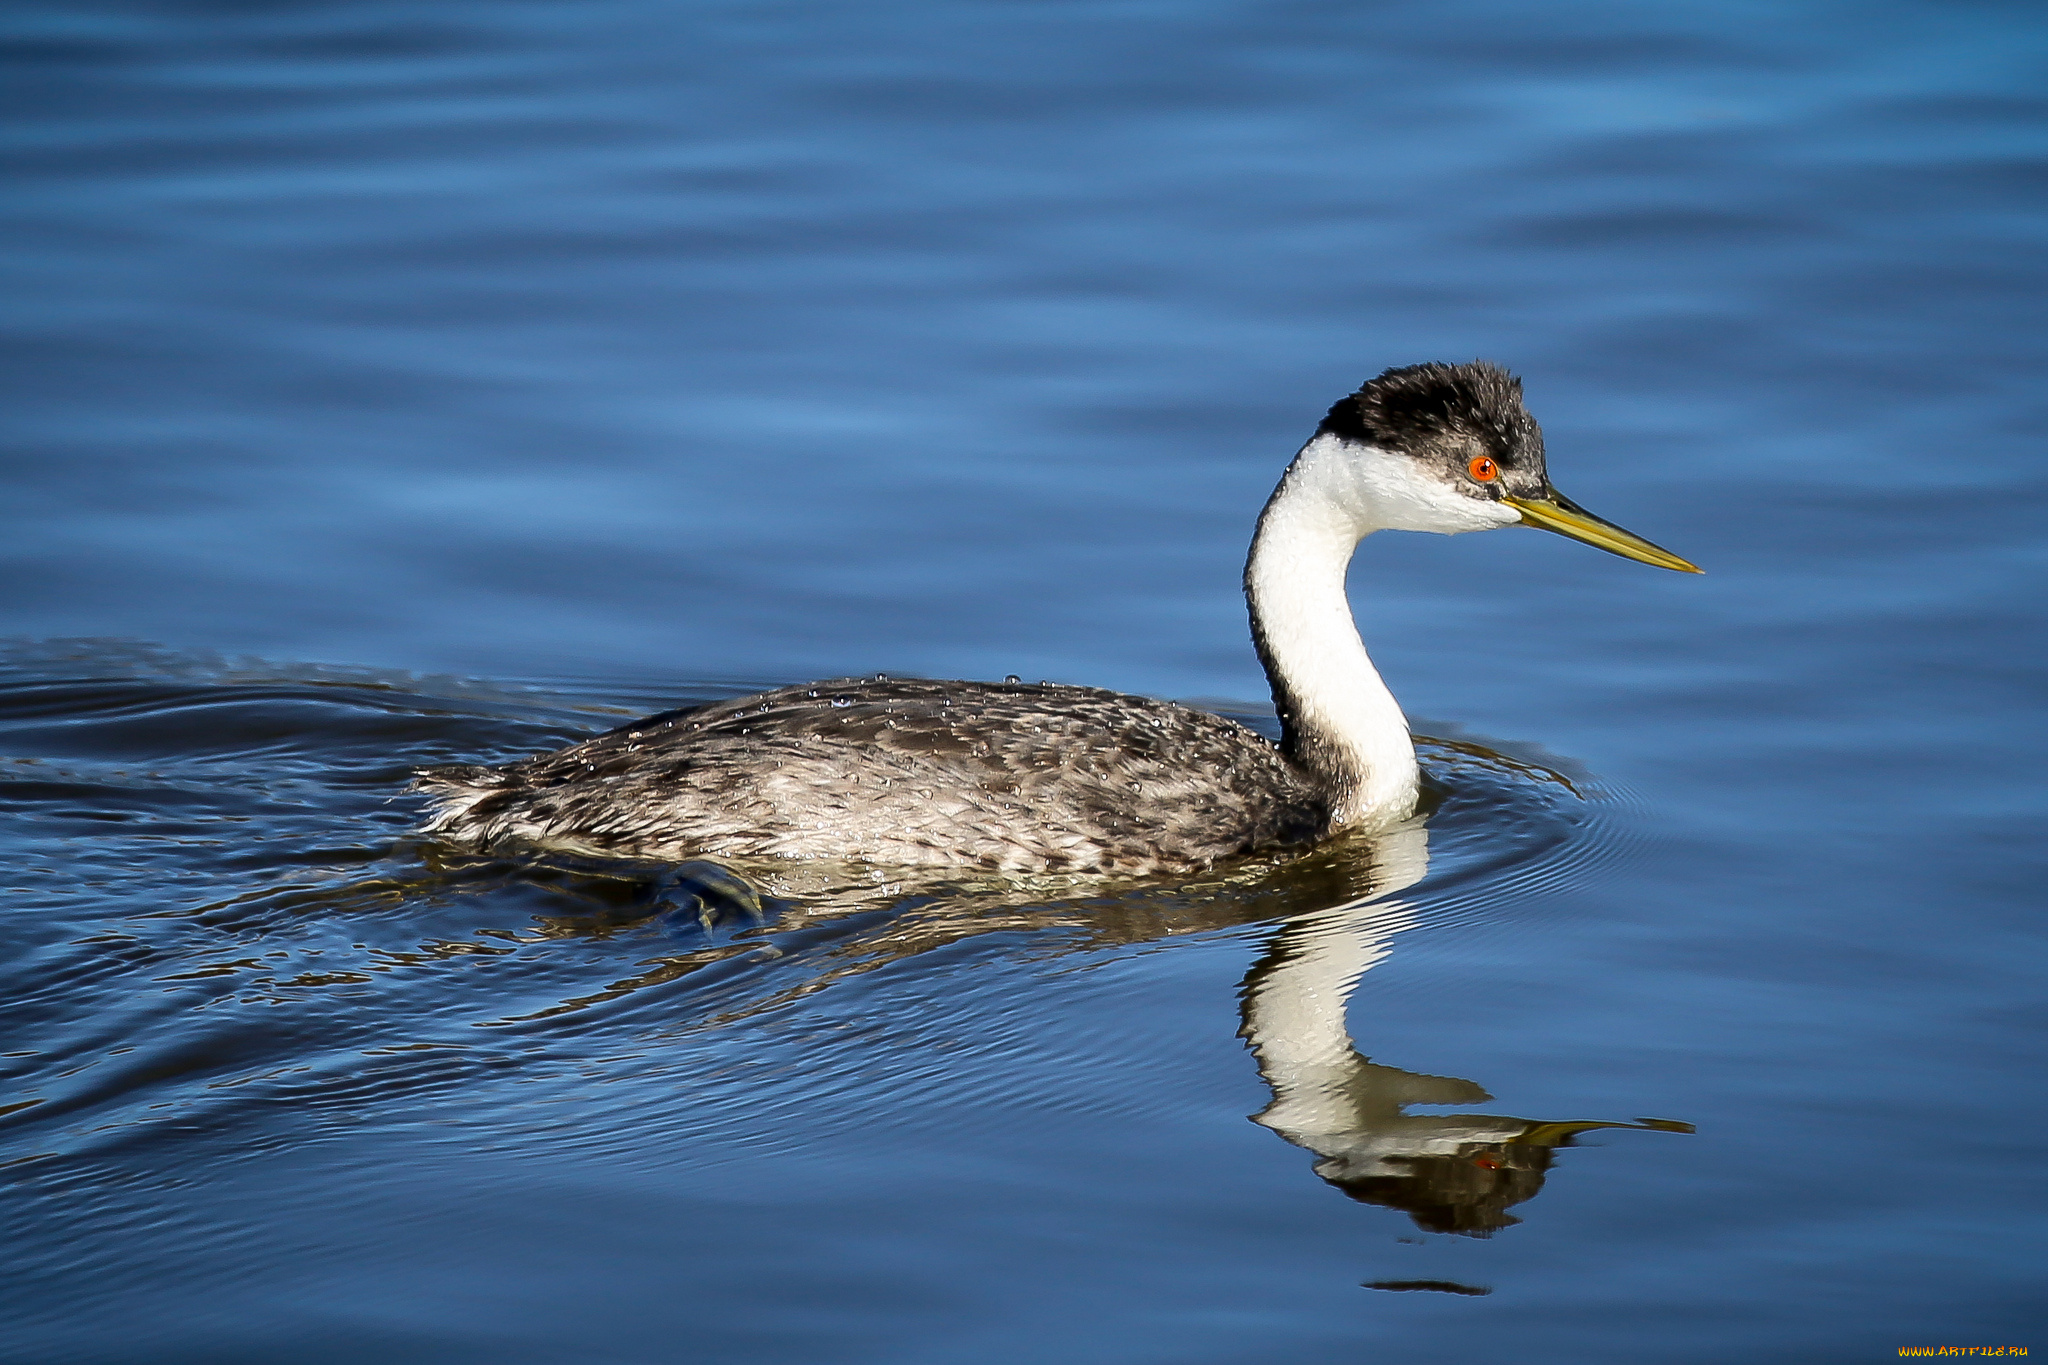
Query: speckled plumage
point(1014, 777)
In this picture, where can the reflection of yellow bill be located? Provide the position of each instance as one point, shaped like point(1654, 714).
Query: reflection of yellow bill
point(1560, 514)
point(1556, 1134)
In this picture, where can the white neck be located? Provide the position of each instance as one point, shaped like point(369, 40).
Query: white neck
point(1341, 723)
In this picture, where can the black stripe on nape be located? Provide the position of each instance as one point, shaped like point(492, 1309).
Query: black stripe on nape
point(1345, 421)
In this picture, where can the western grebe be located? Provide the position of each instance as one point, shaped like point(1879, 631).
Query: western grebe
point(1018, 777)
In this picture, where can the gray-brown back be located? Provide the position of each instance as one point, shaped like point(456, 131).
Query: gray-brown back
point(1007, 776)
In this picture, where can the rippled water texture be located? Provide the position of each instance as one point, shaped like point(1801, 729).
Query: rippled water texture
point(419, 382)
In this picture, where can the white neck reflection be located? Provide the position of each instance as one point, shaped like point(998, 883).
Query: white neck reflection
point(1450, 1172)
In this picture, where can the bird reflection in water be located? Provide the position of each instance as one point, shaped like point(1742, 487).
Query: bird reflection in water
point(1455, 1173)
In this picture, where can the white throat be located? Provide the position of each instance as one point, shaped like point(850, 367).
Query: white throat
point(1342, 723)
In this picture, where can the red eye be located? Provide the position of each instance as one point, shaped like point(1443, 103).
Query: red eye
point(1483, 469)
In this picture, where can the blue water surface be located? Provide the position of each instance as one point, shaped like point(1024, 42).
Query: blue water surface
point(399, 381)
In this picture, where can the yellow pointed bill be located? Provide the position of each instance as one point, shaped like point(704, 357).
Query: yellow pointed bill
point(1560, 514)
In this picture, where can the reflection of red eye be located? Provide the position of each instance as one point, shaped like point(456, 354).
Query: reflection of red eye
point(1483, 469)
